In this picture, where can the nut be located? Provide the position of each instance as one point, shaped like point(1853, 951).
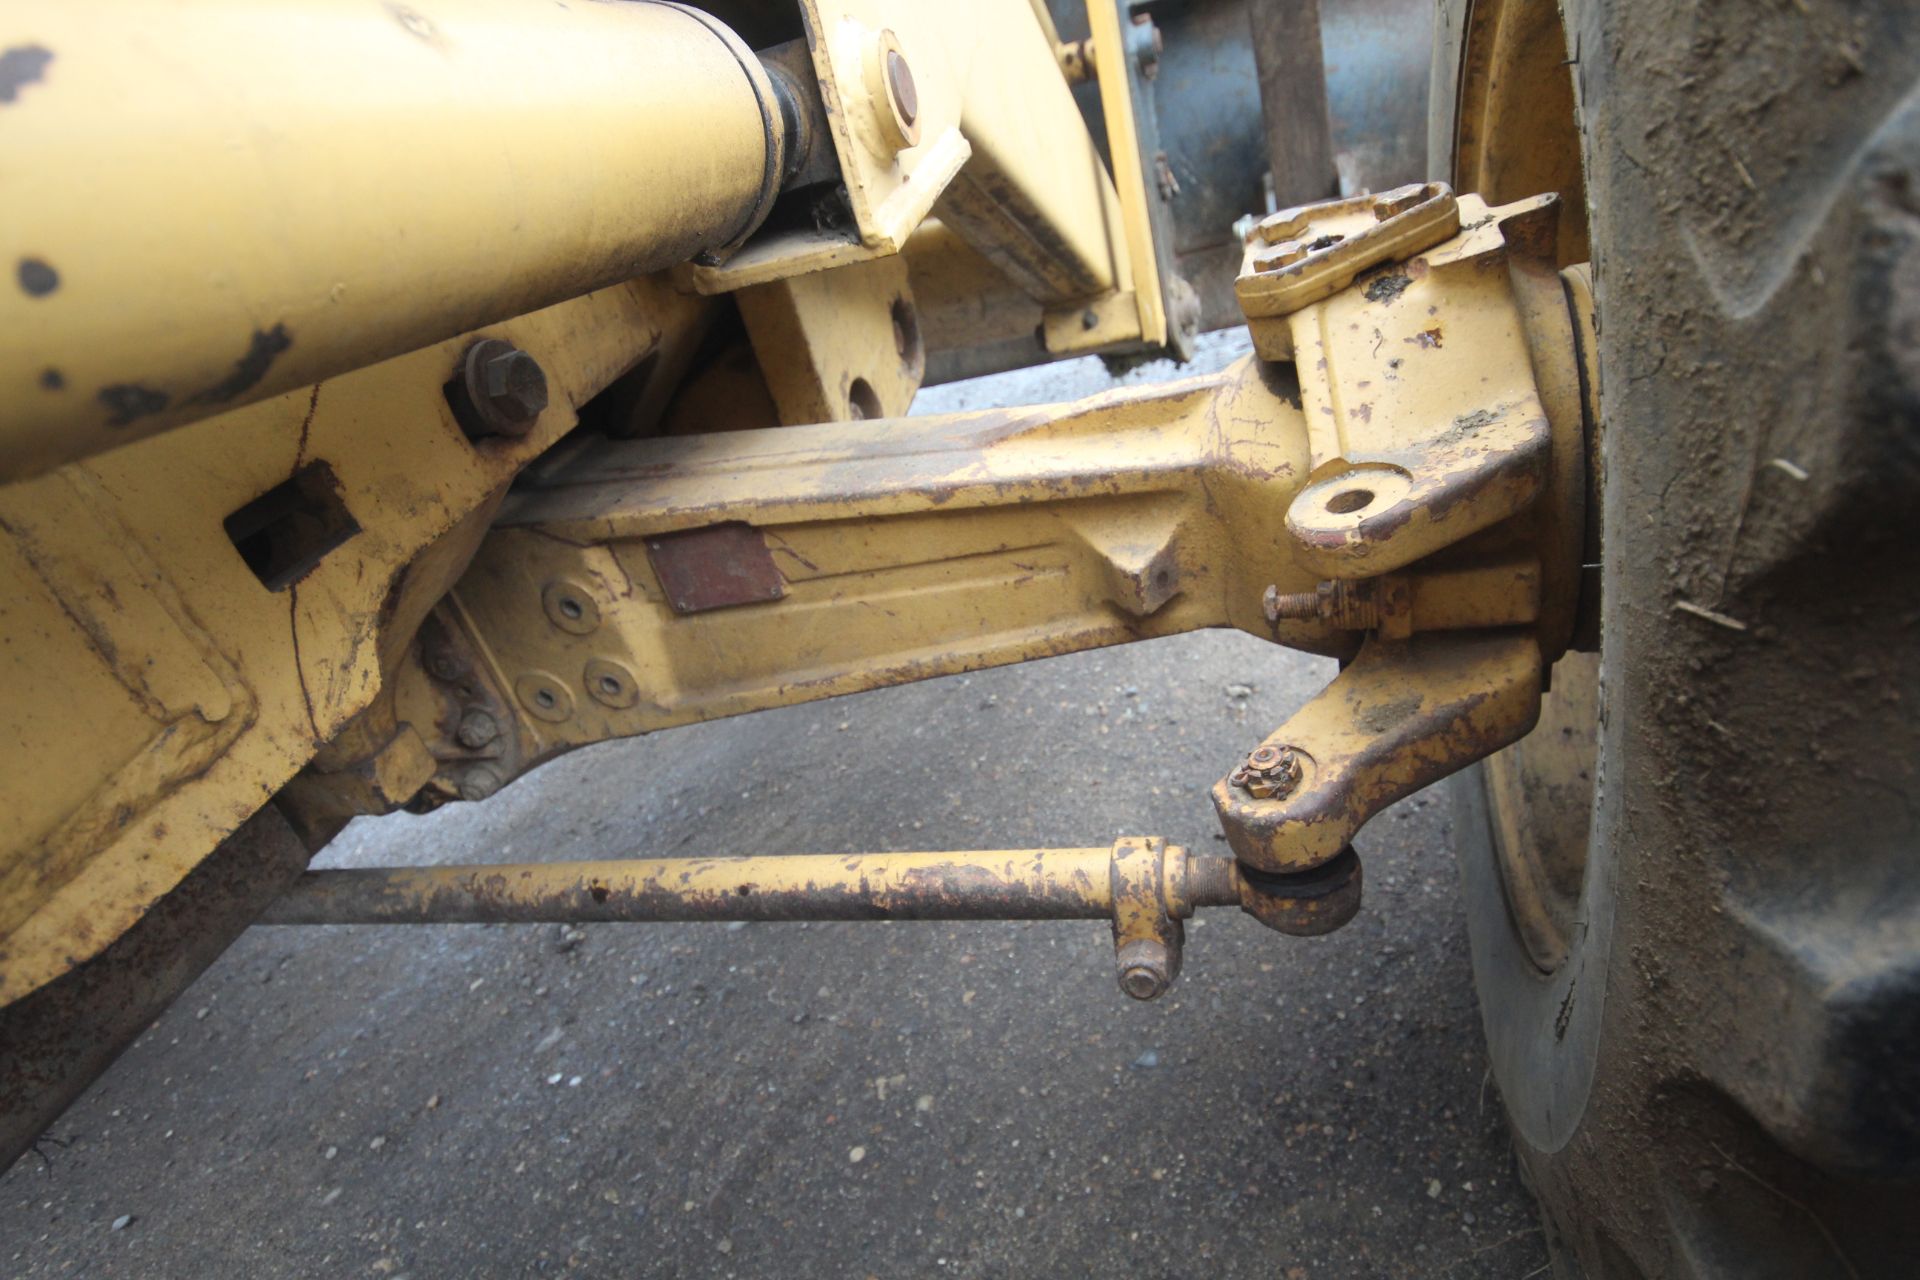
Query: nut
point(1269, 772)
point(477, 729)
point(444, 662)
point(480, 782)
point(1146, 968)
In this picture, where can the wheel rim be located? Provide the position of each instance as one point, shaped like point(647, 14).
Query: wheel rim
point(1517, 134)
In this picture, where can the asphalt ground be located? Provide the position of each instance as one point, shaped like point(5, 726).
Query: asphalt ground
point(793, 1100)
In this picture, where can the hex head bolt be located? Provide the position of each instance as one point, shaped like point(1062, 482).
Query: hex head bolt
point(498, 390)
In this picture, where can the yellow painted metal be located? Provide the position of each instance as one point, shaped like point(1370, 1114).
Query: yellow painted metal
point(1047, 883)
point(1515, 131)
point(1003, 154)
point(1425, 421)
point(1540, 795)
point(226, 199)
point(903, 549)
point(1129, 178)
point(161, 693)
point(1303, 255)
point(1036, 199)
point(891, 182)
point(1097, 324)
point(1145, 886)
point(1399, 716)
point(1037, 884)
point(837, 345)
point(963, 301)
point(908, 549)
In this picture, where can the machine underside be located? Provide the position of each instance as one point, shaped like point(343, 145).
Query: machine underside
point(493, 465)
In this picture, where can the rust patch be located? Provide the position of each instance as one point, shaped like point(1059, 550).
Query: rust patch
point(1388, 287)
point(1428, 338)
point(716, 567)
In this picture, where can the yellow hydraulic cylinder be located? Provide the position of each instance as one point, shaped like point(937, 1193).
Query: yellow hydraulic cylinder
point(206, 202)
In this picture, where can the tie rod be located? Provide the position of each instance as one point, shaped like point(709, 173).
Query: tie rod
point(1144, 886)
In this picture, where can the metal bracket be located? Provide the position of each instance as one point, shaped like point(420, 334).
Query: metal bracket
point(1303, 255)
point(1402, 715)
point(1149, 901)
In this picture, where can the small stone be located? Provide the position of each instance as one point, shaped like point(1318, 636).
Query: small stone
point(331, 1153)
point(555, 1078)
point(1147, 1061)
point(856, 1155)
point(201, 1015)
point(923, 1103)
point(736, 926)
point(574, 1083)
point(1239, 692)
point(725, 1246)
point(433, 1103)
point(1433, 1188)
point(376, 1144)
point(122, 1222)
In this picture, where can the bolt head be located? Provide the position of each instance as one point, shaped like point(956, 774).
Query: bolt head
point(503, 389)
point(516, 386)
point(477, 729)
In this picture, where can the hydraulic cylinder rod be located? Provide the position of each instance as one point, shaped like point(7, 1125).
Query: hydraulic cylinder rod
point(1027, 884)
point(214, 201)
